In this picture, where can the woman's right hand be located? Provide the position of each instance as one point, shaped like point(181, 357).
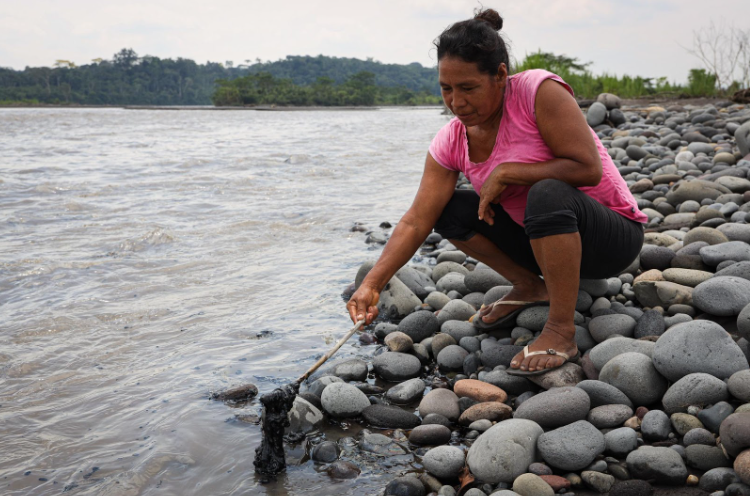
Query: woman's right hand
point(363, 304)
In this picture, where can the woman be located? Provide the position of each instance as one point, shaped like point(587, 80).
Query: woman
point(550, 203)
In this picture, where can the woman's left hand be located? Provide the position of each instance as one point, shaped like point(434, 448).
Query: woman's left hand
point(490, 193)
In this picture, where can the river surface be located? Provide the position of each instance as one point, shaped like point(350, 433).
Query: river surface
point(148, 257)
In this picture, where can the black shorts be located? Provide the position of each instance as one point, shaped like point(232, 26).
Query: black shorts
point(610, 242)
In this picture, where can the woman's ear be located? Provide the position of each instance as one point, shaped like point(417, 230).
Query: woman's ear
point(502, 75)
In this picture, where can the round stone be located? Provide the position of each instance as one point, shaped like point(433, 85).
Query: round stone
point(607, 350)
point(742, 466)
point(351, 370)
point(605, 326)
point(343, 400)
point(406, 392)
point(479, 391)
point(444, 462)
point(620, 442)
point(699, 436)
point(609, 416)
point(397, 367)
point(656, 426)
point(390, 417)
point(602, 393)
point(504, 451)
point(651, 323)
point(738, 251)
point(489, 410)
point(571, 447)
point(663, 465)
point(441, 401)
point(723, 296)
point(430, 435)
point(697, 346)
point(718, 479)
point(556, 407)
point(443, 268)
point(702, 457)
point(325, 452)
point(398, 342)
point(482, 280)
point(343, 470)
point(694, 389)
point(634, 374)
point(596, 114)
point(739, 385)
point(405, 486)
point(705, 235)
point(528, 484)
point(735, 433)
point(419, 325)
point(456, 310)
point(458, 330)
point(451, 358)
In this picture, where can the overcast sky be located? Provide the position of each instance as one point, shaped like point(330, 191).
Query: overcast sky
point(636, 37)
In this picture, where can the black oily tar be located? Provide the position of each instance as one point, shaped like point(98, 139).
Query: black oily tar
point(269, 456)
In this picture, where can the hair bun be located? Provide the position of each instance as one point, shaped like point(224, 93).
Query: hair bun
point(491, 17)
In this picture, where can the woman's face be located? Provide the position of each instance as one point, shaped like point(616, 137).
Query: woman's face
point(474, 97)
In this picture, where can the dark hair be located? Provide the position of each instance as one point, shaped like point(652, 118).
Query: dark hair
point(476, 40)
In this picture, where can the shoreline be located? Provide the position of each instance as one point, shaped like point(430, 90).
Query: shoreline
point(618, 416)
point(265, 108)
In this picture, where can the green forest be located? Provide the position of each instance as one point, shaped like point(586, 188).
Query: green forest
point(130, 79)
point(359, 89)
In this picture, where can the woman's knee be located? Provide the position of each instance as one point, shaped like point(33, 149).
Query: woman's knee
point(549, 209)
point(548, 195)
point(452, 223)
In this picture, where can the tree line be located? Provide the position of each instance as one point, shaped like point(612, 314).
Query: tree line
point(129, 79)
point(360, 89)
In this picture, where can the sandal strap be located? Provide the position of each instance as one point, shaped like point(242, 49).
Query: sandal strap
point(550, 351)
point(512, 302)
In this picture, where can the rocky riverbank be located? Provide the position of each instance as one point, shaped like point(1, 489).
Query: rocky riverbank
point(660, 397)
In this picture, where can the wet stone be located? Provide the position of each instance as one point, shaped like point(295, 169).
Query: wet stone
point(430, 435)
point(391, 417)
point(325, 452)
point(397, 367)
point(343, 470)
point(444, 462)
point(406, 392)
point(405, 486)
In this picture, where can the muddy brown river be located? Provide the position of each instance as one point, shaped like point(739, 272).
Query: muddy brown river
point(149, 257)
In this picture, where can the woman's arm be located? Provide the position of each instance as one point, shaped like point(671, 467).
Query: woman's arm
point(566, 132)
point(435, 190)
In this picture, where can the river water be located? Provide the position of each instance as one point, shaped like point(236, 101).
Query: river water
point(148, 257)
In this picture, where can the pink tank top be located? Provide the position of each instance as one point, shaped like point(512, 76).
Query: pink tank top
point(518, 140)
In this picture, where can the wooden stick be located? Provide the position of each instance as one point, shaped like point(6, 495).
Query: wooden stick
point(330, 353)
